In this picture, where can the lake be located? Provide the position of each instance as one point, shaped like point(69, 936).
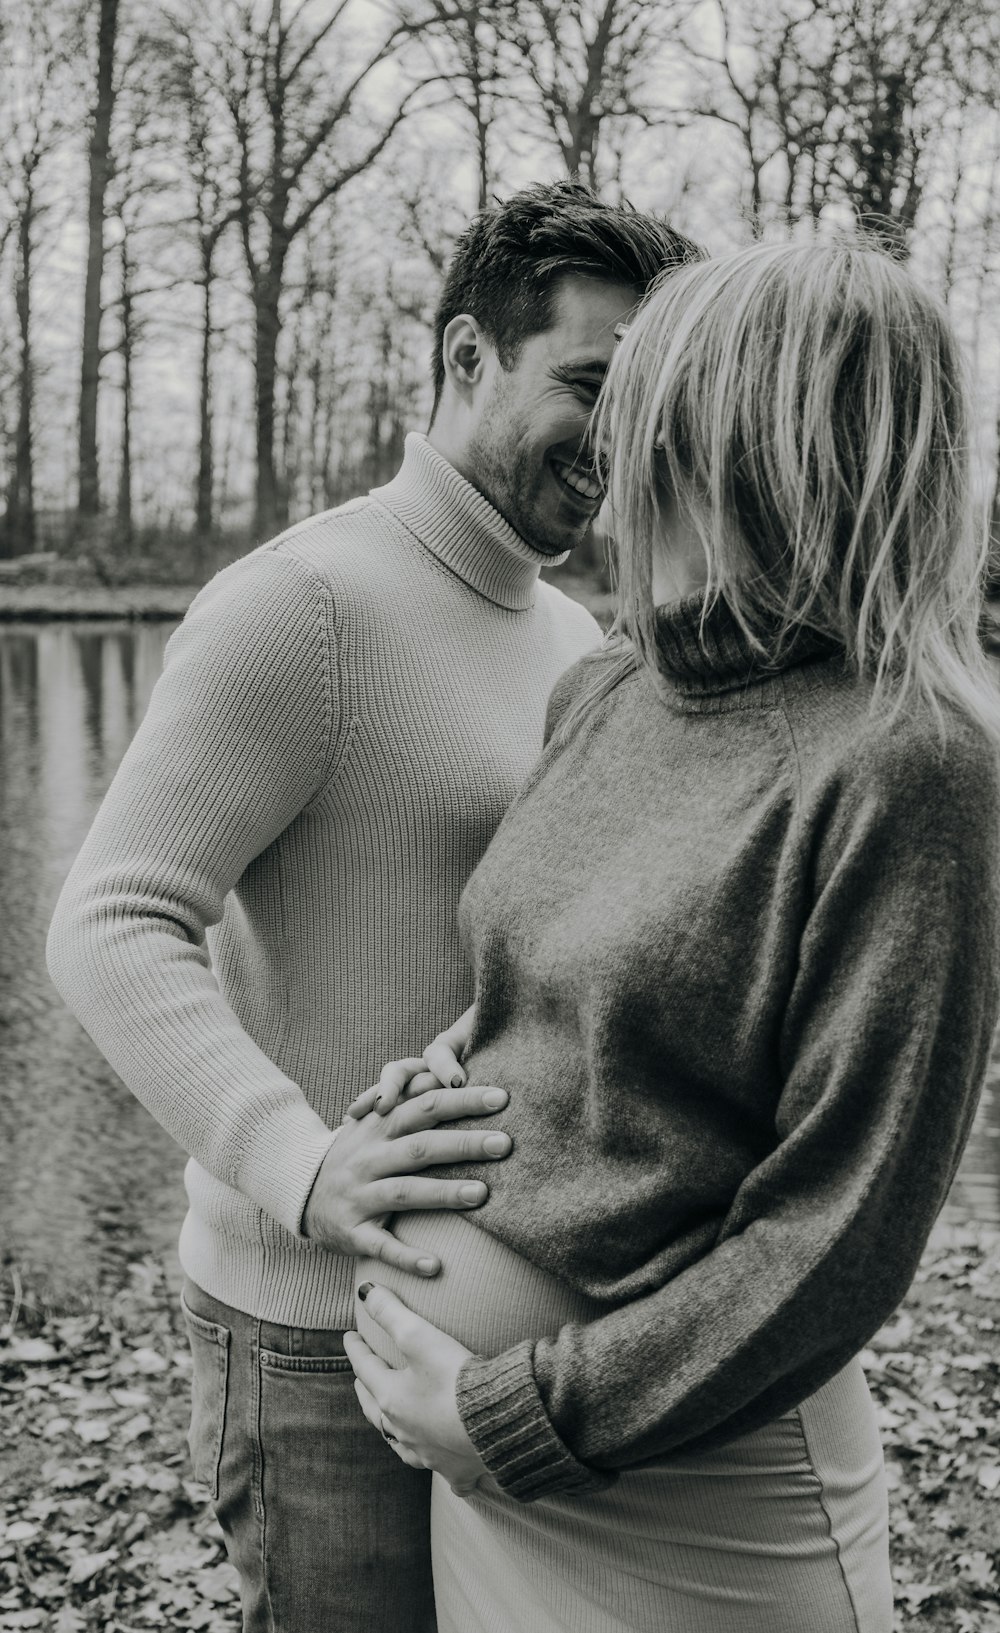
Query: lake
point(88, 1181)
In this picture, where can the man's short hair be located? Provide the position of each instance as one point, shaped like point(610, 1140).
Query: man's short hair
point(510, 259)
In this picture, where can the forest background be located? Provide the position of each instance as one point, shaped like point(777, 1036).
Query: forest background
point(223, 227)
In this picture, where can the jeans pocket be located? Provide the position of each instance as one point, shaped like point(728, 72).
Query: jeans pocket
point(304, 1365)
point(210, 1352)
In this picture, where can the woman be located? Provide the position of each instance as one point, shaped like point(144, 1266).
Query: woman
point(735, 948)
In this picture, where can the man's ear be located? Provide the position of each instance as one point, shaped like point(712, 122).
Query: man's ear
point(465, 351)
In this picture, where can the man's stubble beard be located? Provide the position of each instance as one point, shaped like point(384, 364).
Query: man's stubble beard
point(510, 479)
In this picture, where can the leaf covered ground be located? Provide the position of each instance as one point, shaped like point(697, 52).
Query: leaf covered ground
point(101, 1526)
point(934, 1372)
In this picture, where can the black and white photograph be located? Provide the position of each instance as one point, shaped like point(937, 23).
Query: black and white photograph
point(500, 816)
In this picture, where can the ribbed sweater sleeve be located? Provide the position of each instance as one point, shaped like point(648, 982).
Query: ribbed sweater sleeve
point(238, 738)
point(883, 1048)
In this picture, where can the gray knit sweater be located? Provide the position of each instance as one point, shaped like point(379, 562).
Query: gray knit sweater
point(265, 910)
point(736, 958)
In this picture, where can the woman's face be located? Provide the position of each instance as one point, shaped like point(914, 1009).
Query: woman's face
point(679, 565)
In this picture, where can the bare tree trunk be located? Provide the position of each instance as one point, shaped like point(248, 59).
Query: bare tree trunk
point(993, 563)
point(227, 457)
point(287, 170)
point(291, 440)
point(951, 240)
point(480, 71)
point(124, 529)
point(267, 316)
point(581, 151)
point(89, 499)
point(482, 151)
point(203, 505)
point(318, 435)
point(329, 430)
point(18, 534)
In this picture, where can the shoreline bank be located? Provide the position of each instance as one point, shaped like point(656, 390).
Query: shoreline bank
point(48, 603)
point(44, 603)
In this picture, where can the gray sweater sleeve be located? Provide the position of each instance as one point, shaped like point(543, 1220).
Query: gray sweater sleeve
point(883, 1048)
point(236, 741)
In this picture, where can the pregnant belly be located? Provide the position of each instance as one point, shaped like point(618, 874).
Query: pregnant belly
point(486, 1295)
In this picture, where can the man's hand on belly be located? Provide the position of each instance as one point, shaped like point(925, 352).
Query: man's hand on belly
point(372, 1171)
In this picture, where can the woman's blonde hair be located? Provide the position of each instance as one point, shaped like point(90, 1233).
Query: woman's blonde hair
point(812, 400)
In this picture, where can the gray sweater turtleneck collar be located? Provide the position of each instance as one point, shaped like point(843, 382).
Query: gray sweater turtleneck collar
point(705, 652)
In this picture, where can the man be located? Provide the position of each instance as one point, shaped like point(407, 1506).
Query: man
point(343, 718)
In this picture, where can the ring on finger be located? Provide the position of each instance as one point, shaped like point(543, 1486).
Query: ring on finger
point(391, 1438)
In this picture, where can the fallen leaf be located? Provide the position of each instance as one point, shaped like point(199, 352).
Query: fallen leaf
point(129, 1397)
point(893, 1474)
point(93, 1429)
point(140, 1478)
point(68, 1620)
point(220, 1583)
point(943, 1520)
point(96, 1402)
point(73, 1330)
point(86, 1566)
point(148, 1362)
point(141, 1424)
point(67, 1479)
point(945, 1400)
point(28, 1350)
point(21, 1531)
point(65, 1391)
point(895, 1333)
point(914, 1595)
point(977, 1567)
point(135, 1528)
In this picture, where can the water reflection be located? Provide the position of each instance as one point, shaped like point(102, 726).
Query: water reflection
point(86, 1175)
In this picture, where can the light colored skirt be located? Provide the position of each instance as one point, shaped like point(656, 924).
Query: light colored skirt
point(783, 1531)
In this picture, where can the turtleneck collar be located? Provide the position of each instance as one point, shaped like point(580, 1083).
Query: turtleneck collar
point(707, 659)
point(461, 528)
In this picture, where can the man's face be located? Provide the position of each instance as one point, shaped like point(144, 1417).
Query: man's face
point(527, 451)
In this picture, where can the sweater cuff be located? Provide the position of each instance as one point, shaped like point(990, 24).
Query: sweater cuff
point(502, 1411)
point(283, 1171)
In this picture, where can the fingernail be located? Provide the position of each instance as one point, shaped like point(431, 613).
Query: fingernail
point(457, 1080)
point(496, 1144)
point(495, 1098)
point(471, 1193)
point(427, 1267)
point(365, 1289)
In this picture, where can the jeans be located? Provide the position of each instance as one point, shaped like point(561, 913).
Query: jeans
point(328, 1530)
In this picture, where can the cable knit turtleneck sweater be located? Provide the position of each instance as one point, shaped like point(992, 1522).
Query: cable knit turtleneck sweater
point(736, 954)
point(343, 718)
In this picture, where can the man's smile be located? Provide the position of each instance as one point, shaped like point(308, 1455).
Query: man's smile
point(585, 489)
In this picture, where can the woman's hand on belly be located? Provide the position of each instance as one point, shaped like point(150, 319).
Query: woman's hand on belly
point(439, 1065)
point(414, 1405)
